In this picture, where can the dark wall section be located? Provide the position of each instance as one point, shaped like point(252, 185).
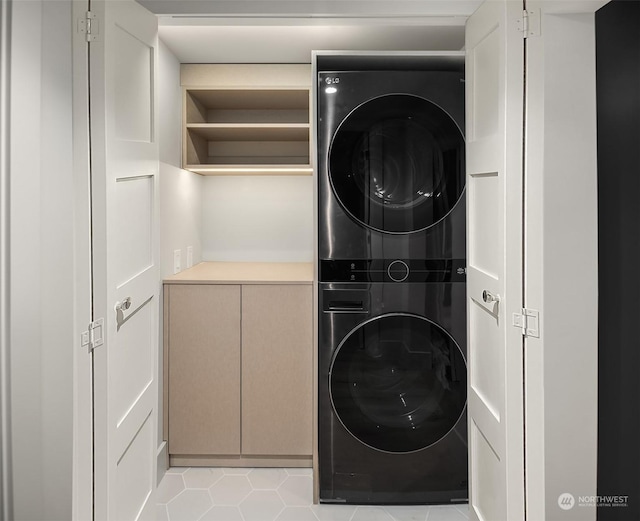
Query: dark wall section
point(618, 84)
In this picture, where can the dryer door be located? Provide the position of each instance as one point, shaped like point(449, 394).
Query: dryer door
point(398, 383)
point(396, 163)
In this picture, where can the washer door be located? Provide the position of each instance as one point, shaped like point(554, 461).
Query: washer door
point(398, 383)
point(396, 163)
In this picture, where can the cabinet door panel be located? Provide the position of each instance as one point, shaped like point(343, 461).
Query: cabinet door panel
point(277, 368)
point(204, 369)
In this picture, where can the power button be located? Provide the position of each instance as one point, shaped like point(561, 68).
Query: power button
point(398, 271)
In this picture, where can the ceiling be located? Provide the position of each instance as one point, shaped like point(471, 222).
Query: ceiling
point(304, 8)
point(286, 31)
point(293, 43)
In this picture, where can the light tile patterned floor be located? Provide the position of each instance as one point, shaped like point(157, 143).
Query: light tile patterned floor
point(216, 494)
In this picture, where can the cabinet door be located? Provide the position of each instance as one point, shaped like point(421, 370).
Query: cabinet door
point(204, 369)
point(277, 370)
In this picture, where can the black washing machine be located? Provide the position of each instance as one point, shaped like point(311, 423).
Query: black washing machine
point(391, 164)
point(392, 387)
point(392, 272)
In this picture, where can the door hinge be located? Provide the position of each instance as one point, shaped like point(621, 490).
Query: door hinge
point(529, 24)
point(89, 26)
point(528, 321)
point(94, 335)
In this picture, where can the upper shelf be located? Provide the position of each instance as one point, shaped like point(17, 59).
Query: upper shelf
point(248, 106)
point(243, 120)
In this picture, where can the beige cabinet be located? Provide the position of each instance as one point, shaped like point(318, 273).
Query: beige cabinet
point(239, 375)
point(204, 369)
point(276, 369)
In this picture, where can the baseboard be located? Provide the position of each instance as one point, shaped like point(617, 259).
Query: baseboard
point(240, 461)
point(162, 458)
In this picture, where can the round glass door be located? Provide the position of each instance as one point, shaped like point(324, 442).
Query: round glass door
point(398, 383)
point(396, 163)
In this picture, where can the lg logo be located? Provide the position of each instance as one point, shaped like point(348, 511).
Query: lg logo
point(566, 501)
point(332, 81)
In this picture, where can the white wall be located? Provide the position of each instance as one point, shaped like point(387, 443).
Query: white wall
point(561, 274)
point(180, 201)
point(180, 191)
point(42, 274)
point(6, 498)
point(258, 218)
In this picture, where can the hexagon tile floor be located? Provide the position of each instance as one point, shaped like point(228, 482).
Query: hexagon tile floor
point(217, 494)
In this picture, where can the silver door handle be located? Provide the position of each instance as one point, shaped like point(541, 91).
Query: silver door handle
point(124, 305)
point(489, 297)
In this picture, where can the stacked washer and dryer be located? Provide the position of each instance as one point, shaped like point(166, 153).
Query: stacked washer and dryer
point(391, 271)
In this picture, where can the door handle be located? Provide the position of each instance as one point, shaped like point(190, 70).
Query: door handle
point(120, 308)
point(346, 306)
point(489, 297)
point(124, 305)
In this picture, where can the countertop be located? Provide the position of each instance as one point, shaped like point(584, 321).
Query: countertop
point(245, 273)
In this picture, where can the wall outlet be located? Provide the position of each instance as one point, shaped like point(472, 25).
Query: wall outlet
point(177, 261)
point(189, 256)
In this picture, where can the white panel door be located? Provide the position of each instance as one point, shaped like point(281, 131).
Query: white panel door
point(494, 97)
point(124, 169)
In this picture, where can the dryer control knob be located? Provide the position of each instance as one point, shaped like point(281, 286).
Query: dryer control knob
point(398, 271)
